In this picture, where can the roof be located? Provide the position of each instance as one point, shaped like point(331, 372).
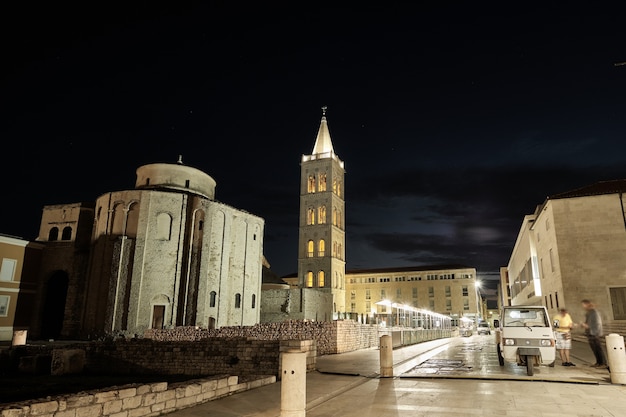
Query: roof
point(323, 144)
point(599, 188)
point(397, 269)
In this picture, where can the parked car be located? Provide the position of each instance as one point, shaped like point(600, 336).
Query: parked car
point(483, 328)
point(525, 337)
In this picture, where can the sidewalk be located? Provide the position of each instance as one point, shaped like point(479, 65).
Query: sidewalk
point(349, 382)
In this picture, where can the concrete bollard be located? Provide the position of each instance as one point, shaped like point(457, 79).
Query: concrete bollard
point(293, 384)
point(616, 357)
point(19, 337)
point(386, 356)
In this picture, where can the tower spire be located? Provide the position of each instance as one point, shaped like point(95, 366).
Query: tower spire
point(323, 143)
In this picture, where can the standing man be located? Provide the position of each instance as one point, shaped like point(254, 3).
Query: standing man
point(593, 331)
point(562, 326)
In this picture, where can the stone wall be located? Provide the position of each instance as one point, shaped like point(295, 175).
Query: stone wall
point(134, 400)
point(330, 337)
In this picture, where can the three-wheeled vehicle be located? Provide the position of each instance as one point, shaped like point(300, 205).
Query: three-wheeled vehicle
point(525, 337)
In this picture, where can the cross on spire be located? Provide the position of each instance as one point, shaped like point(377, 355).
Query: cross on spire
point(324, 108)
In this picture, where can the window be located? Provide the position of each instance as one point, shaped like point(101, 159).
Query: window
point(414, 292)
point(53, 234)
point(466, 304)
point(320, 279)
point(448, 292)
point(253, 300)
point(237, 300)
point(431, 291)
point(448, 305)
point(309, 249)
point(310, 216)
point(368, 295)
point(383, 294)
point(163, 226)
point(309, 279)
point(353, 307)
point(321, 248)
point(431, 304)
point(321, 215)
point(335, 185)
point(618, 302)
point(353, 295)
point(399, 294)
point(67, 233)
point(213, 296)
point(464, 291)
point(7, 272)
point(4, 305)
point(322, 182)
point(368, 306)
point(311, 184)
point(551, 261)
point(334, 216)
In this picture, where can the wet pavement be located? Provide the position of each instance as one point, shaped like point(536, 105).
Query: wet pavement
point(459, 376)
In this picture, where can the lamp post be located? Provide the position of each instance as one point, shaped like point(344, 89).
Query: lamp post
point(478, 301)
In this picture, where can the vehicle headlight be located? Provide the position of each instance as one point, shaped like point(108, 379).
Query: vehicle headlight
point(546, 342)
point(509, 342)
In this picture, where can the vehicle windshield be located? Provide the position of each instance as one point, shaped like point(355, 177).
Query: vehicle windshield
point(531, 317)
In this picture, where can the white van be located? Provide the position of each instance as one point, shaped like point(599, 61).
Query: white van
point(526, 337)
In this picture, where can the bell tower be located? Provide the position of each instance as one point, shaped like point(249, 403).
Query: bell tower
point(321, 246)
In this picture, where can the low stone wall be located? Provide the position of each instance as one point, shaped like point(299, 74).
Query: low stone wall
point(133, 400)
point(330, 336)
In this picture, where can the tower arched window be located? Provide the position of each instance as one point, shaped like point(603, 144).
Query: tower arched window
point(310, 249)
point(321, 248)
point(311, 184)
point(53, 234)
point(339, 251)
point(339, 188)
point(237, 300)
point(253, 300)
point(339, 214)
point(321, 215)
point(335, 185)
point(334, 249)
point(310, 216)
point(309, 279)
point(334, 216)
point(163, 226)
point(320, 279)
point(67, 233)
point(322, 182)
point(212, 298)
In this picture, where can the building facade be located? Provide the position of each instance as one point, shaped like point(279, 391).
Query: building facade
point(18, 283)
point(161, 255)
point(573, 248)
point(449, 290)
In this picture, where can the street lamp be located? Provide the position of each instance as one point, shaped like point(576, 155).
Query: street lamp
point(478, 301)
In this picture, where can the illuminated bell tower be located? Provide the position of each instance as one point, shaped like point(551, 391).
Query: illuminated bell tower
point(321, 247)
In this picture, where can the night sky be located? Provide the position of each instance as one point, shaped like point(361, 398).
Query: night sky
point(453, 123)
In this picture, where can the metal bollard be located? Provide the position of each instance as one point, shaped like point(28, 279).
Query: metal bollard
point(616, 357)
point(293, 384)
point(386, 356)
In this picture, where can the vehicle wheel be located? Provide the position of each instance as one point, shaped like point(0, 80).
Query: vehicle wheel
point(500, 357)
point(529, 366)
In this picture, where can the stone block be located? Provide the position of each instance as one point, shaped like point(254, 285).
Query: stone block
point(77, 401)
point(165, 396)
point(144, 389)
point(222, 383)
point(155, 408)
point(192, 389)
point(16, 412)
point(233, 380)
point(66, 413)
point(105, 396)
point(158, 387)
point(42, 408)
point(148, 399)
point(131, 402)
point(139, 412)
point(127, 392)
point(89, 411)
point(112, 407)
point(209, 385)
point(120, 414)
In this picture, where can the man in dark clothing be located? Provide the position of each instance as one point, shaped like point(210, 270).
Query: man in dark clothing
point(593, 331)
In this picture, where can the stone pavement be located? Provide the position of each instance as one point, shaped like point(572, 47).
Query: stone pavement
point(348, 385)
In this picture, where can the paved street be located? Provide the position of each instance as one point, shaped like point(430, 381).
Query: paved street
point(453, 377)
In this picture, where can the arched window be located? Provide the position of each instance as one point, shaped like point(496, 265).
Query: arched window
point(67, 233)
point(320, 279)
point(334, 216)
point(213, 296)
point(237, 300)
point(339, 188)
point(53, 234)
point(311, 184)
point(310, 216)
point(321, 215)
point(334, 249)
point(309, 249)
point(335, 185)
point(253, 300)
point(321, 248)
point(309, 279)
point(339, 251)
point(322, 185)
point(339, 219)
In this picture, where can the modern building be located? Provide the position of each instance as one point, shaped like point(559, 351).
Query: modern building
point(572, 248)
point(18, 283)
point(163, 254)
point(377, 295)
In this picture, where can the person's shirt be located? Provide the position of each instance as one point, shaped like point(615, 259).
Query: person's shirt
point(594, 321)
point(565, 322)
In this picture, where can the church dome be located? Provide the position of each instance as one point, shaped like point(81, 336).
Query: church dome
point(176, 177)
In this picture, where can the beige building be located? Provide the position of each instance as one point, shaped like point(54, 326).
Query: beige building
point(18, 282)
point(449, 290)
point(161, 255)
point(573, 247)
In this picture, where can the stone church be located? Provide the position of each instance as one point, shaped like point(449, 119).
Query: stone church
point(161, 255)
